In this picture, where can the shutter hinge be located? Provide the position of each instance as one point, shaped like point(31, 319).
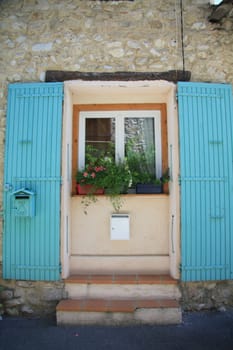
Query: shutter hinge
point(180, 267)
point(179, 180)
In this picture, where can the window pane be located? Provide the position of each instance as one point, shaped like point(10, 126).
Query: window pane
point(100, 136)
point(140, 147)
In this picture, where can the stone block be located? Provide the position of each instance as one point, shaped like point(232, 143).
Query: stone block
point(6, 294)
point(42, 47)
point(13, 303)
point(51, 294)
point(27, 310)
point(1, 309)
point(25, 284)
point(12, 311)
point(159, 316)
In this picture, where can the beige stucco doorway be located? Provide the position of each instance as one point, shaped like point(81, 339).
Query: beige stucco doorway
point(153, 245)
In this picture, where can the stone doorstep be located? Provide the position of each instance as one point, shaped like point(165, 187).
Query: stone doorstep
point(118, 312)
point(118, 286)
point(125, 306)
point(119, 309)
point(120, 279)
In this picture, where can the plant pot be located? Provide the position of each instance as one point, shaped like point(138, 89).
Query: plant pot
point(148, 188)
point(131, 190)
point(88, 189)
point(166, 187)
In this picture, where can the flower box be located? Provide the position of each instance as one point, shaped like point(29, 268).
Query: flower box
point(88, 189)
point(148, 188)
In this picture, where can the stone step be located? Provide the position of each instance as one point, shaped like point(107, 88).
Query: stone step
point(118, 311)
point(121, 279)
point(122, 286)
point(120, 299)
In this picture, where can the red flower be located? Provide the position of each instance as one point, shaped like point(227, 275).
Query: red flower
point(99, 168)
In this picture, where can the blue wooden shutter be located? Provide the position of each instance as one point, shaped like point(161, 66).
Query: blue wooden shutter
point(33, 161)
point(206, 156)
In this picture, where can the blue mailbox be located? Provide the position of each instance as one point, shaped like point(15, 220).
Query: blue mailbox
point(24, 203)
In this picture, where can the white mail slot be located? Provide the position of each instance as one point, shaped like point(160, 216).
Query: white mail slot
point(120, 228)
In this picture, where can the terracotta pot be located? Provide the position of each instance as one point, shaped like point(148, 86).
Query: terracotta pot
point(166, 188)
point(88, 189)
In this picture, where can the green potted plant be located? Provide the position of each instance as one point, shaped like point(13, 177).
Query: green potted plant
point(102, 175)
point(149, 185)
point(89, 180)
point(142, 179)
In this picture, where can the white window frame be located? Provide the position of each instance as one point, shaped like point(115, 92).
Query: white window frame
point(120, 133)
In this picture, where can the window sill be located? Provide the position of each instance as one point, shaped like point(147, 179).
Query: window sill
point(129, 195)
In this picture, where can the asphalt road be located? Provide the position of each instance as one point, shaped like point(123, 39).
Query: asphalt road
point(203, 330)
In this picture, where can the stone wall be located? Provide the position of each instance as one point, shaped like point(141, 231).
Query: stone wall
point(29, 298)
point(37, 35)
point(206, 295)
point(100, 36)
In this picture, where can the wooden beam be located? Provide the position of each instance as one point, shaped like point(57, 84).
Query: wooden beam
point(172, 75)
